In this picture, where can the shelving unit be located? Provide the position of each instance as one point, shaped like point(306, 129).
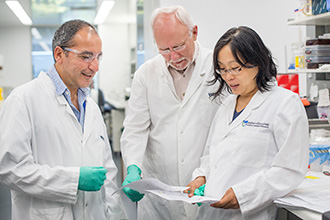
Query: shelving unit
point(320, 19)
point(315, 20)
point(297, 71)
point(318, 123)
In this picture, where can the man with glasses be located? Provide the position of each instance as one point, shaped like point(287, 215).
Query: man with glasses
point(55, 154)
point(169, 113)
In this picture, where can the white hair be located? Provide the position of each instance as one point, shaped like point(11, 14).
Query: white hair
point(180, 12)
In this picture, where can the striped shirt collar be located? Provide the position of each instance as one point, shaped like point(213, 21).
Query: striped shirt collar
point(60, 87)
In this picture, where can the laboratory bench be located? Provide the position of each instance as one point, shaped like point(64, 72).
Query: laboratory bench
point(305, 201)
point(298, 214)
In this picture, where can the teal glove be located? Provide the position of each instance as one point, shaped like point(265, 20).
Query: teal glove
point(133, 174)
point(91, 178)
point(199, 192)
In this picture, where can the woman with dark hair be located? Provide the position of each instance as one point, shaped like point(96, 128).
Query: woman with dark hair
point(258, 145)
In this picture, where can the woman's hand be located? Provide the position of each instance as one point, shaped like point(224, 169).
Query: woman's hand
point(228, 201)
point(195, 184)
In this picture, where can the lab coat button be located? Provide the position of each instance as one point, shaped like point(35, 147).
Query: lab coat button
point(181, 132)
point(182, 160)
point(86, 204)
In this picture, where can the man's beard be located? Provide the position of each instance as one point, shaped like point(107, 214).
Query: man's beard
point(180, 66)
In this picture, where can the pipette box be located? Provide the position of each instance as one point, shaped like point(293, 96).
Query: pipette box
point(319, 6)
point(314, 62)
point(318, 41)
point(317, 50)
point(318, 59)
point(317, 53)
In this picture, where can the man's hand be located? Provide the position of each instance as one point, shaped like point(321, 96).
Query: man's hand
point(228, 201)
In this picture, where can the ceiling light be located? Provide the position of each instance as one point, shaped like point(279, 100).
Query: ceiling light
point(103, 11)
point(18, 10)
point(36, 34)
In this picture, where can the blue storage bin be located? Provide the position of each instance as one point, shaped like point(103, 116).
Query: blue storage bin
point(319, 6)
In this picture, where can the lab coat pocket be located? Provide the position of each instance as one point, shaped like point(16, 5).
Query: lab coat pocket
point(42, 210)
point(250, 149)
point(99, 149)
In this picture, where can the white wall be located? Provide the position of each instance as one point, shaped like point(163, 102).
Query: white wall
point(214, 17)
point(15, 47)
point(118, 36)
point(115, 66)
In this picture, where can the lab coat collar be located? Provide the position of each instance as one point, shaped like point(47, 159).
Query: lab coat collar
point(198, 74)
point(254, 103)
point(60, 86)
point(60, 98)
point(91, 110)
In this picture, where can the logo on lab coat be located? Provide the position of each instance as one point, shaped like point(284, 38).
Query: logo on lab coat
point(255, 124)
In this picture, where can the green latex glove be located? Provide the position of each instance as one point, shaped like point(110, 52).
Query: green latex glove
point(91, 178)
point(133, 174)
point(199, 192)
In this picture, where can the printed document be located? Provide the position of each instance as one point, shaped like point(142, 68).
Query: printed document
point(156, 187)
point(313, 194)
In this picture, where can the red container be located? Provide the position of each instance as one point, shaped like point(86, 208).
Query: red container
point(289, 81)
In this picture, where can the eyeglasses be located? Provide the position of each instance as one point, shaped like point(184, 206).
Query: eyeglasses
point(233, 71)
point(85, 56)
point(175, 49)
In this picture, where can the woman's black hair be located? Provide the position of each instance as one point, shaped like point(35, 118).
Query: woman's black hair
point(249, 51)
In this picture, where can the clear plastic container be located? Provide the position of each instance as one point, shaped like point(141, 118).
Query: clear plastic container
point(318, 59)
point(318, 50)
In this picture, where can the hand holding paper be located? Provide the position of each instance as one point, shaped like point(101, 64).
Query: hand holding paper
point(156, 187)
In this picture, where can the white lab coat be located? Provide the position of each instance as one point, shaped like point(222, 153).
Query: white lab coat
point(165, 136)
point(262, 154)
point(42, 148)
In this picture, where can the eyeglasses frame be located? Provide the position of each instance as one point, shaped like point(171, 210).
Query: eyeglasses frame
point(176, 49)
point(79, 54)
point(230, 71)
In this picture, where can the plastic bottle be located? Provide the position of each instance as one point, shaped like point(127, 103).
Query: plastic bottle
point(1, 96)
point(299, 55)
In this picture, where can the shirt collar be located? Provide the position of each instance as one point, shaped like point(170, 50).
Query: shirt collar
point(60, 87)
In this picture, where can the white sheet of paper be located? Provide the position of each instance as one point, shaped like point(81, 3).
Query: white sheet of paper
point(156, 187)
point(312, 194)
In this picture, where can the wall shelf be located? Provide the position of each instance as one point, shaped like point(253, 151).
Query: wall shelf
point(320, 19)
point(298, 71)
point(318, 123)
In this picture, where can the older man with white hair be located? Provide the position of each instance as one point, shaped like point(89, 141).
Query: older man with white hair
point(169, 113)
